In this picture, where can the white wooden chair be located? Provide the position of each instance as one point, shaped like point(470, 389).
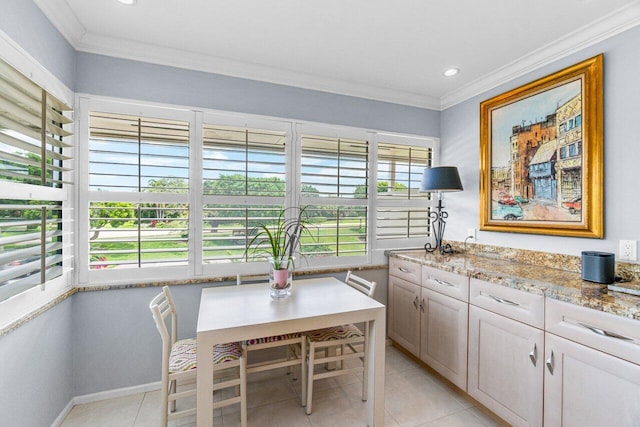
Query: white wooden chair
point(179, 364)
point(334, 341)
point(295, 345)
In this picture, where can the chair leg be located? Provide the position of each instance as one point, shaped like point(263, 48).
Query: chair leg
point(164, 403)
point(310, 370)
point(172, 390)
point(243, 390)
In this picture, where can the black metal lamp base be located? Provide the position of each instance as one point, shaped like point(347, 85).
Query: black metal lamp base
point(438, 223)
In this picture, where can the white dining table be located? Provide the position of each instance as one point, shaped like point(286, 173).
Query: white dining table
point(237, 313)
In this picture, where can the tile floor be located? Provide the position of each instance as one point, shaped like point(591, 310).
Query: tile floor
point(413, 398)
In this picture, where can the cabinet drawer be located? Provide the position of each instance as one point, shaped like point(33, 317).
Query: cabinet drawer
point(606, 332)
point(451, 284)
point(407, 270)
point(513, 303)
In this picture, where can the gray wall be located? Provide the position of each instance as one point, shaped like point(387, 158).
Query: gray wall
point(460, 141)
point(36, 379)
point(108, 76)
point(27, 26)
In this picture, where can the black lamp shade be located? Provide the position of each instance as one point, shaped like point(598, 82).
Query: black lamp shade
point(441, 178)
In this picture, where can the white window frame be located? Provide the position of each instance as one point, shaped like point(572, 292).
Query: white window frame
point(408, 140)
point(294, 130)
point(251, 122)
point(128, 275)
point(32, 299)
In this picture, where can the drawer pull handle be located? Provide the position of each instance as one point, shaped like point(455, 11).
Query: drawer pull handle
point(604, 332)
point(503, 301)
point(404, 270)
point(534, 355)
point(549, 363)
point(443, 283)
point(415, 302)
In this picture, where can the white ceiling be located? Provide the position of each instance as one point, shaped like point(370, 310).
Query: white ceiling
point(390, 50)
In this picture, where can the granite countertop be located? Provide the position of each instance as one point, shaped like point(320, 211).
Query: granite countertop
point(554, 283)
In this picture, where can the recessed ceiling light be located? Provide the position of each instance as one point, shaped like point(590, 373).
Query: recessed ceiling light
point(450, 72)
point(127, 2)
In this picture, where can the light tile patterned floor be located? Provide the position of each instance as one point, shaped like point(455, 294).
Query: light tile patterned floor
point(413, 398)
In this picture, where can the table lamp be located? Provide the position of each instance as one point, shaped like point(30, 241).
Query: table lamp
point(438, 180)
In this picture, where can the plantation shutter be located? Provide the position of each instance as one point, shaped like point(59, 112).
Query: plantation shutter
point(148, 156)
point(35, 235)
point(244, 183)
point(334, 186)
point(402, 210)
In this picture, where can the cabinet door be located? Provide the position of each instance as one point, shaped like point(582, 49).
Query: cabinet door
point(506, 367)
point(586, 387)
point(443, 342)
point(404, 314)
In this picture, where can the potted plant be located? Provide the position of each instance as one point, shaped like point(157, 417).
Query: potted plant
point(279, 242)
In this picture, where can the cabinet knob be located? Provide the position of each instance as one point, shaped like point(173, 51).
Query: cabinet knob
point(422, 305)
point(549, 363)
point(415, 302)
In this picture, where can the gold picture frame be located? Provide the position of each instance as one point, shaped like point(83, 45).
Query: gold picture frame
point(541, 155)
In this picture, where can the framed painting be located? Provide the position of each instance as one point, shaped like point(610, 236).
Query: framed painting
point(541, 155)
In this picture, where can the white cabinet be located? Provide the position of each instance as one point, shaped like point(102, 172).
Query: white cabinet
point(404, 314)
point(443, 335)
point(431, 325)
point(505, 352)
point(592, 374)
point(586, 387)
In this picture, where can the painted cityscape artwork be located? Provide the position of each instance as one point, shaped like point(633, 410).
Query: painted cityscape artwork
point(541, 145)
point(536, 157)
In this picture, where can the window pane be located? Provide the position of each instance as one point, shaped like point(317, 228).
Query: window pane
point(228, 229)
point(335, 231)
point(400, 170)
point(25, 225)
point(129, 153)
point(334, 167)
point(398, 223)
point(130, 235)
point(240, 161)
point(30, 142)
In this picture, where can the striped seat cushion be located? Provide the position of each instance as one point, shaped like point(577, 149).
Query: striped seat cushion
point(274, 338)
point(183, 354)
point(335, 333)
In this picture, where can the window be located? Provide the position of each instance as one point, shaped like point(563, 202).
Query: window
point(138, 192)
point(334, 183)
point(244, 183)
point(402, 210)
point(174, 193)
point(35, 160)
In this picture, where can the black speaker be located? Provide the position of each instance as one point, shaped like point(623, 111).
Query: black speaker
point(598, 267)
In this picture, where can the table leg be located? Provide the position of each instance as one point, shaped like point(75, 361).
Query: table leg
point(375, 401)
point(204, 382)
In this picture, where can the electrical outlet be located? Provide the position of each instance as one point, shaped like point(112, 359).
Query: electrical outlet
point(471, 234)
point(628, 250)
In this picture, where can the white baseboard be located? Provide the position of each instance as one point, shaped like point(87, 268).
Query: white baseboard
point(104, 395)
point(58, 421)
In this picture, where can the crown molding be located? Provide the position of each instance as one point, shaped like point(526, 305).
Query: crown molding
point(92, 43)
point(608, 26)
point(64, 19)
